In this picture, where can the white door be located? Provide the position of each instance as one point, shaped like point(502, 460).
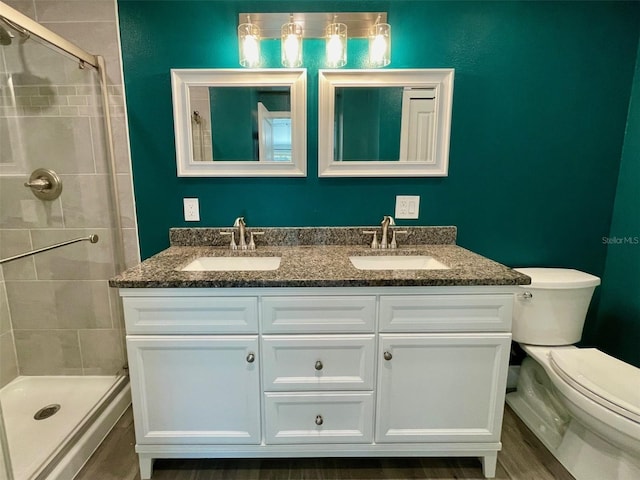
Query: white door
point(274, 132)
point(195, 389)
point(417, 127)
point(441, 387)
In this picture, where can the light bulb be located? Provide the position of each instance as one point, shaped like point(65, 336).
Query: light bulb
point(249, 44)
point(378, 48)
point(251, 47)
point(291, 48)
point(336, 46)
point(291, 44)
point(380, 45)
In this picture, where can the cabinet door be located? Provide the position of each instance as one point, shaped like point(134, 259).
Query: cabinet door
point(195, 389)
point(441, 387)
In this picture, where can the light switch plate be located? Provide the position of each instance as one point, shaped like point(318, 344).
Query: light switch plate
point(407, 206)
point(191, 210)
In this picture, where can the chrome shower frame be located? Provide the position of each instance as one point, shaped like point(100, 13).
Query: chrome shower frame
point(33, 27)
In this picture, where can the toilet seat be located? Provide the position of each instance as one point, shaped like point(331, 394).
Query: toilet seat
point(600, 377)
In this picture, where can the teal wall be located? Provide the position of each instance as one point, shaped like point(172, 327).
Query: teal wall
point(618, 325)
point(541, 99)
point(233, 123)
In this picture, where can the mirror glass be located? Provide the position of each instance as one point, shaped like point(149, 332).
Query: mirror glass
point(240, 122)
point(384, 122)
point(367, 123)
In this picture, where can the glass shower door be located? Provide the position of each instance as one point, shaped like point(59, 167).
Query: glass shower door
point(61, 335)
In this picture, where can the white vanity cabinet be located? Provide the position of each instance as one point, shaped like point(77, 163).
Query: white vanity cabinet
point(303, 372)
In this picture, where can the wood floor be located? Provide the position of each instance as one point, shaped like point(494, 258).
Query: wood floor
point(523, 457)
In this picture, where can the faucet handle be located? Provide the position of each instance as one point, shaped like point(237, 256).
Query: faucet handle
point(252, 244)
point(232, 245)
point(393, 238)
point(374, 242)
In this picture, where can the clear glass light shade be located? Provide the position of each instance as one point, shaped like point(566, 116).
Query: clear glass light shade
point(336, 47)
point(249, 45)
point(291, 45)
point(380, 45)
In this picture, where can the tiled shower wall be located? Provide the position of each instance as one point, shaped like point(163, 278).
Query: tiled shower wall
point(57, 313)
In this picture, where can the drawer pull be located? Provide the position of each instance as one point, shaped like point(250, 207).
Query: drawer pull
point(251, 358)
point(319, 365)
point(387, 356)
point(319, 420)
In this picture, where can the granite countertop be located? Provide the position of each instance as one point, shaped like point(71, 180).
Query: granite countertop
point(316, 257)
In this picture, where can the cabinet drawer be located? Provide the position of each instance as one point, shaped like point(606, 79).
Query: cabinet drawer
point(319, 418)
point(166, 315)
point(318, 362)
point(446, 313)
point(318, 314)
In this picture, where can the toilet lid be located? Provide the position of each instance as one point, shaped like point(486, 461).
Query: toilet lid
point(562, 278)
point(604, 379)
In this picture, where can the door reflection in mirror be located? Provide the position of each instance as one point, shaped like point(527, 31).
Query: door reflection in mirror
point(241, 123)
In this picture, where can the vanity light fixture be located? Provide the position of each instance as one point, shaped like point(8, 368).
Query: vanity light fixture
point(291, 28)
point(291, 44)
point(380, 44)
point(336, 46)
point(249, 44)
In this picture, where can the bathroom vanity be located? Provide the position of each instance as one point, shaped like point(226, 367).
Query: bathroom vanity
point(316, 357)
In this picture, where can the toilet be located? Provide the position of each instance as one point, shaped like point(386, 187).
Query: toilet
point(583, 404)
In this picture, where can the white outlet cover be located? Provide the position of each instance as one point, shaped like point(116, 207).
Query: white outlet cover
point(191, 210)
point(407, 206)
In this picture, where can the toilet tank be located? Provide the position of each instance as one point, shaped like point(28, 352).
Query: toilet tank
point(552, 310)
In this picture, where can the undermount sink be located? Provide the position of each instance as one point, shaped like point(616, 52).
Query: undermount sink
point(396, 262)
point(227, 264)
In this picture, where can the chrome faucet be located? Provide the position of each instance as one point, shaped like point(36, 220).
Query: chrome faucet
point(242, 236)
point(387, 221)
point(240, 223)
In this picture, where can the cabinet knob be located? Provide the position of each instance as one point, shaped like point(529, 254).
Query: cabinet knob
point(387, 355)
point(251, 358)
point(319, 365)
point(319, 420)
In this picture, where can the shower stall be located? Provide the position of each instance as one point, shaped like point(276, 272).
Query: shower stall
point(63, 381)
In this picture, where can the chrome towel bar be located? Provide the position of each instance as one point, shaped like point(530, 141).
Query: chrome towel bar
point(91, 238)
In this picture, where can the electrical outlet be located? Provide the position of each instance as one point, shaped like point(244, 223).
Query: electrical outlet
point(407, 206)
point(191, 210)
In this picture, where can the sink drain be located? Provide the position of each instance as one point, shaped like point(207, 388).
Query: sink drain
point(46, 412)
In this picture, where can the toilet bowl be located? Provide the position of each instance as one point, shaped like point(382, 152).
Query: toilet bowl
point(582, 404)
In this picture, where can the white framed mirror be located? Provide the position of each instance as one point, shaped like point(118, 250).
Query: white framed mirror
point(240, 123)
point(384, 123)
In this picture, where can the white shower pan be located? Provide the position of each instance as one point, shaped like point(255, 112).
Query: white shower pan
point(32, 442)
